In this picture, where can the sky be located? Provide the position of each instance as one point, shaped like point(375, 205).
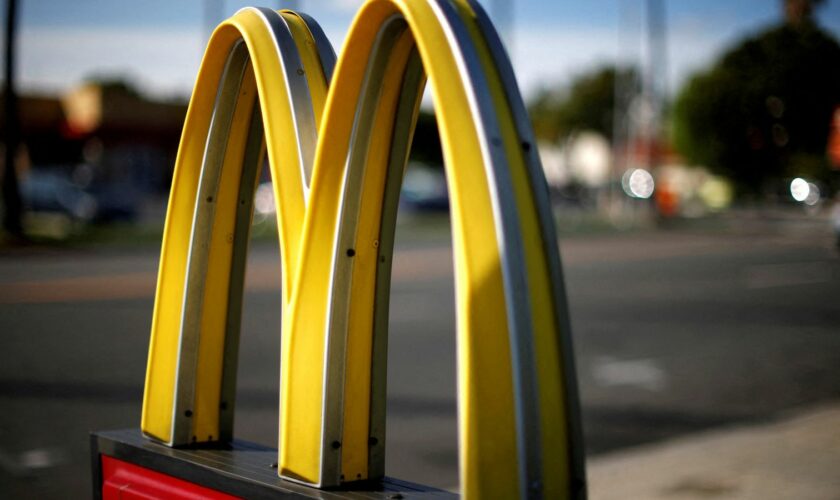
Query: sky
point(157, 44)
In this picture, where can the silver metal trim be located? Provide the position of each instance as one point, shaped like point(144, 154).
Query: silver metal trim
point(543, 206)
point(325, 49)
point(252, 162)
point(332, 418)
point(511, 249)
point(405, 119)
point(297, 85)
point(202, 228)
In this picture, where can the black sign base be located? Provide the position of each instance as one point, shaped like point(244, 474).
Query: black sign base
point(240, 469)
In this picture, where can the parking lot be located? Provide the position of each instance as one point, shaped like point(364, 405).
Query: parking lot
point(677, 331)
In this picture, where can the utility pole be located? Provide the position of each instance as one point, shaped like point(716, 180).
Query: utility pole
point(625, 94)
point(12, 205)
point(656, 78)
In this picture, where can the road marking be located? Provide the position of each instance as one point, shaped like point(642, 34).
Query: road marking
point(31, 461)
point(643, 373)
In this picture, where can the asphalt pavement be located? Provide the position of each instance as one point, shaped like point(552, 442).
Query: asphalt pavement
point(678, 332)
point(796, 456)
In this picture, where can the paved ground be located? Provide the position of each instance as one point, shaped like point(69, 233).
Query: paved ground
point(796, 457)
point(677, 331)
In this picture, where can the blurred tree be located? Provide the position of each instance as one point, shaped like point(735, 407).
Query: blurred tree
point(588, 104)
point(114, 84)
point(764, 110)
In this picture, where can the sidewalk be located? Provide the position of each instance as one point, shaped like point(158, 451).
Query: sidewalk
point(796, 458)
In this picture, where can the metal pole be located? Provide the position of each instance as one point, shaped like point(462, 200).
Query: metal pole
point(11, 190)
point(619, 132)
point(656, 76)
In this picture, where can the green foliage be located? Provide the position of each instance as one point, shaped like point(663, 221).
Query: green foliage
point(114, 84)
point(764, 110)
point(589, 104)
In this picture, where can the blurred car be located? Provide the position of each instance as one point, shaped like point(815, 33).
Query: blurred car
point(115, 201)
point(75, 193)
point(424, 189)
point(46, 191)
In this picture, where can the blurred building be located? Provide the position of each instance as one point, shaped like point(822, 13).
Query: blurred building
point(834, 141)
point(46, 138)
point(118, 135)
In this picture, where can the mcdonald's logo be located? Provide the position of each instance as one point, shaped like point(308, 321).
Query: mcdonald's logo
point(337, 135)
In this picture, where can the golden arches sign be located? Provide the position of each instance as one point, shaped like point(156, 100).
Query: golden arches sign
point(337, 140)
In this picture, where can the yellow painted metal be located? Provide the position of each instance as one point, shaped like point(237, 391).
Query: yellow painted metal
point(354, 456)
point(486, 398)
point(217, 278)
point(247, 25)
point(546, 337)
point(309, 229)
point(158, 399)
point(312, 64)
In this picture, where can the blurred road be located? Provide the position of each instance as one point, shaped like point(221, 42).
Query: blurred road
point(676, 331)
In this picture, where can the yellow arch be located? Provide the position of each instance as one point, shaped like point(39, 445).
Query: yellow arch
point(518, 425)
point(247, 42)
point(470, 97)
